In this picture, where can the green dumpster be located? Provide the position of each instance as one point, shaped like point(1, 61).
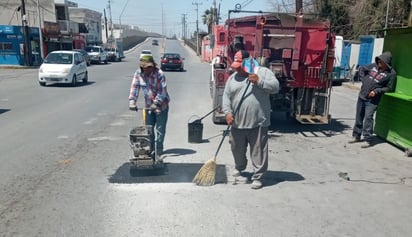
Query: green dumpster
point(394, 114)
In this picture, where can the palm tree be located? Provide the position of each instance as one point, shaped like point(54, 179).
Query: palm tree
point(209, 18)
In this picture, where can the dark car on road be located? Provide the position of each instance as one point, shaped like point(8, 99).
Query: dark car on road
point(85, 55)
point(155, 42)
point(172, 61)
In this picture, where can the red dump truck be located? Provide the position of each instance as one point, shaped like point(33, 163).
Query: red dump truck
point(298, 49)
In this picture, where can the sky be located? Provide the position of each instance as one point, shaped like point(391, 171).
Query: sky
point(149, 15)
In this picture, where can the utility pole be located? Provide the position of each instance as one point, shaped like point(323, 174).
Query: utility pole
point(299, 5)
point(120, 19)
point(27, 58)
point(197, 26)
point(163, 23)
point(387, 14)
point(111, 23)
point(183, 26)
point(40, 33)
point(105, 25)
point(410, 15)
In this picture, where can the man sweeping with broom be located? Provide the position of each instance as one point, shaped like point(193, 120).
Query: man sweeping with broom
point(247, 110)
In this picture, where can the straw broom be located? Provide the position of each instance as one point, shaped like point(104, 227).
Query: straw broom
point(207, 174)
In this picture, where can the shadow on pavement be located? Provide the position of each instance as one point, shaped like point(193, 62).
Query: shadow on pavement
point(4, 110)
point(275, 177)
point(177, 152)
point(63, 85)
point(308, 130)
point(271, 178)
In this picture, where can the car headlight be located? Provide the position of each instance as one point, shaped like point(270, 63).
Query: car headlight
point(66, 70)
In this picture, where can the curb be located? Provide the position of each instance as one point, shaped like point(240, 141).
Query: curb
point(18, 67)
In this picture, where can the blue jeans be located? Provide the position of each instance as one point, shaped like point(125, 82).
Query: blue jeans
point(365, 111)
point(158, 122)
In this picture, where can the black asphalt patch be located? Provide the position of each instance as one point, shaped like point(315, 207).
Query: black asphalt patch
point(170, 173)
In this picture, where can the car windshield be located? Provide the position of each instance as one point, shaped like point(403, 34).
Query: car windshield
point(146, 52)
point(59, 58)
point(92, 49)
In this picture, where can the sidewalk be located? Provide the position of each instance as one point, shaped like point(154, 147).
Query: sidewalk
point(356, 85)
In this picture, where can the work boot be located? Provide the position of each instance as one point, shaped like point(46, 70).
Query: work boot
point(256, 184)
point(354, 140)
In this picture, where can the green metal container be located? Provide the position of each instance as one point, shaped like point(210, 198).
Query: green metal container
point(394, 115)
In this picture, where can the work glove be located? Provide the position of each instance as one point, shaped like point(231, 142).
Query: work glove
point(155, 107)
point(132, 105)
point(229, 118)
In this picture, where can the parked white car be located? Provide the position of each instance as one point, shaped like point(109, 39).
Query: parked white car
point(97, 54)
point(68, 67)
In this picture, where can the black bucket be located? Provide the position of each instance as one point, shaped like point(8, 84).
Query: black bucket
point(195, 131)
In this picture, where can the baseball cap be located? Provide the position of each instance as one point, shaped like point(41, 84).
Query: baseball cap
point(239, 57)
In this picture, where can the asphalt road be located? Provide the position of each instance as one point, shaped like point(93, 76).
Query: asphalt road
point(64, 166)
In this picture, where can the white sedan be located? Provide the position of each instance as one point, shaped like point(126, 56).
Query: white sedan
point(68, 67)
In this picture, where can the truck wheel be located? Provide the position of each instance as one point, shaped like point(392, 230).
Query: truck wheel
point(105, 61)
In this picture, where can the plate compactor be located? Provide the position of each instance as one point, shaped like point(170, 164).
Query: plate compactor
point(144, 153)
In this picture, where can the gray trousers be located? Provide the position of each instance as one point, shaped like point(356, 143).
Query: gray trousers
point(257, 139)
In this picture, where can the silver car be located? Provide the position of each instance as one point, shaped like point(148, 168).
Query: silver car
point(68, 67)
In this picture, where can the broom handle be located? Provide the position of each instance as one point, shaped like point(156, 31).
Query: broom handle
point(228, 126)
point(209, 113)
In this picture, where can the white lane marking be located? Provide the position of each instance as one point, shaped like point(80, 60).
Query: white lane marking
point(90, 121)
point(117, 123)
point(103, 138)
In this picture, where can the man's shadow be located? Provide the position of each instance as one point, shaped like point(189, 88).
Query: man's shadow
point(271, 178)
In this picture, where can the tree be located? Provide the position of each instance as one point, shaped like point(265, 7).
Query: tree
point(352, 18)
point(209, 18)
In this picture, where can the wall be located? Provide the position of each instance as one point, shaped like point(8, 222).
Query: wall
point(10, 16)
